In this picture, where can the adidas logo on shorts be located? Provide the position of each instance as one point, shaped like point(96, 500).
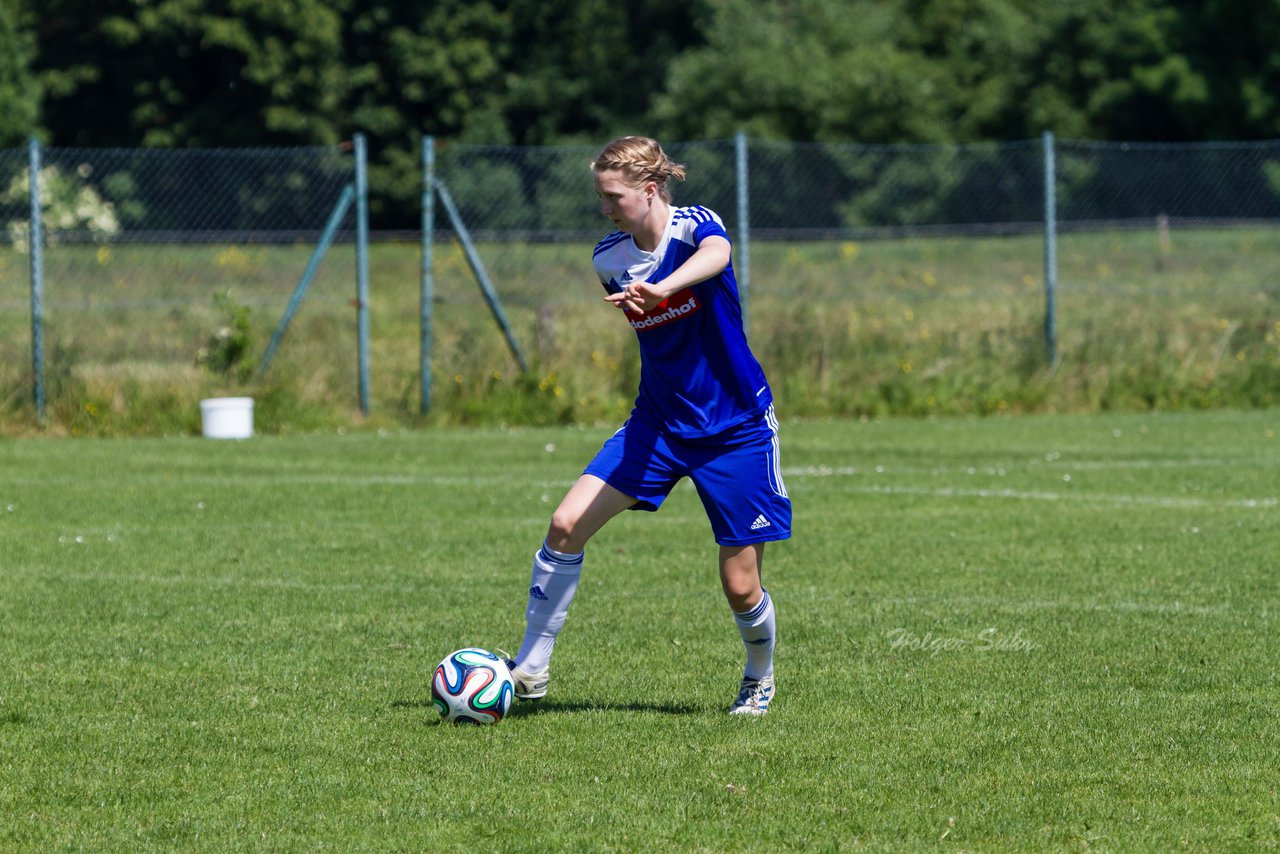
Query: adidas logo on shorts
point(759, 523)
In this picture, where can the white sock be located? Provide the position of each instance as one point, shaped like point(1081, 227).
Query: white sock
point(551, 589)
point(759, 634)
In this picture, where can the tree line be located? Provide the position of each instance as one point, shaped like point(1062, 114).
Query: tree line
point(213, 73)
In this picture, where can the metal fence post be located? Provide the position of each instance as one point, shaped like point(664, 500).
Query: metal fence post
point(428, 262)
point(744, 225)
point(482, 276)
point(362, 267)
point(336, 217)
point(1050, 251)
point(35, 243)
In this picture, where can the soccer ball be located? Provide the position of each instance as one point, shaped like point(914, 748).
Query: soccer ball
point(472, 686)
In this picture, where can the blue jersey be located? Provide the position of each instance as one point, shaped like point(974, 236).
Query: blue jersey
point(698, 377)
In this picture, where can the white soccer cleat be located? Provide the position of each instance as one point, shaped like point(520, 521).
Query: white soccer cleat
point(529, 686)
point(753, 696)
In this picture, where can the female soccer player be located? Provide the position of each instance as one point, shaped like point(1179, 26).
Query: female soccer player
point(704, 410)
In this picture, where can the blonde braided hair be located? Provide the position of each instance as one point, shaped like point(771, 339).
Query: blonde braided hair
point(640, 160)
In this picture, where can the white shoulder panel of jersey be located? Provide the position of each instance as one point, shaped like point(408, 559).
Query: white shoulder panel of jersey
point(688, 219)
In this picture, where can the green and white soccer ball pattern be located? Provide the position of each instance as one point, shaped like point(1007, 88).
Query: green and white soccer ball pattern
point(472, 686)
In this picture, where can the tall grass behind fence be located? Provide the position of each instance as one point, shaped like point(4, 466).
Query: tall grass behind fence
point(1170, 274)
point(849, 310)
point(165, 272)
point(899, 278)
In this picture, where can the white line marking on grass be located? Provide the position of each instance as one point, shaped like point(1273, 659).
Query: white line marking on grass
point(233, 479)
point(1195, 462)
point(1087, 498)
point(259, 583)
point(1022, 495)
point(988, 602)
point(1035, 464)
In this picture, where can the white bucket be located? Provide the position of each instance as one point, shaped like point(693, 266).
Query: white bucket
point(227, 417)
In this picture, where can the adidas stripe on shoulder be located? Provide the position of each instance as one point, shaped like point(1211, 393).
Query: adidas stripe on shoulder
point(697, 213)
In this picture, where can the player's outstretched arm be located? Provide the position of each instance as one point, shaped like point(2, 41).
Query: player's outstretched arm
point(711, 258)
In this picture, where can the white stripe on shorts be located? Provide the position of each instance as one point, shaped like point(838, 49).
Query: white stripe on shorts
point(775, 481)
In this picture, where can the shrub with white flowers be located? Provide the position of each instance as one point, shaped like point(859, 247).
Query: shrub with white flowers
point(68, 204)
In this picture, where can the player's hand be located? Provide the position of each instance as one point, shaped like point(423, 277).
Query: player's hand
point(638, 297)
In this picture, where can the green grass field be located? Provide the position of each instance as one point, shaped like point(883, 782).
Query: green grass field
point(1016, 633)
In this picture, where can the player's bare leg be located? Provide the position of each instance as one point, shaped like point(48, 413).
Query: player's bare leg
point(583, 511)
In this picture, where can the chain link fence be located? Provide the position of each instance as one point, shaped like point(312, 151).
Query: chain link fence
point(904, 279)
point(1169, 264)
point(1119, 185)
point(911, 278)
point(164, 274)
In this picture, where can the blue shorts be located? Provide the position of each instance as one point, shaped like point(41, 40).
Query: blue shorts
point(737, 474)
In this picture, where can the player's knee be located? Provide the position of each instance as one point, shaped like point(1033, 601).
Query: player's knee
point(742, 595)
point(563, 534)
point(738, 580)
